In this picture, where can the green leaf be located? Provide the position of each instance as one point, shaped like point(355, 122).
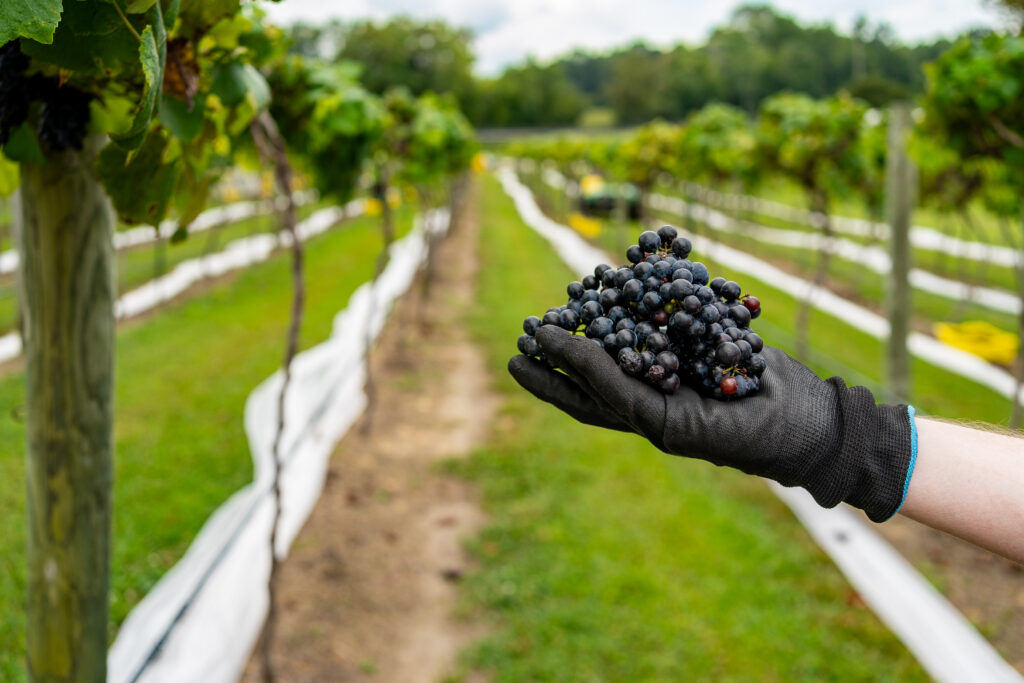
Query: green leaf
point(152, 53)
point(9, 177)
point(138, 6)
point(140, 183)
point(183, 124)
point(92, 40)
point(199, 15)
point(234, 82)
point(34, 19)
point(23, 146)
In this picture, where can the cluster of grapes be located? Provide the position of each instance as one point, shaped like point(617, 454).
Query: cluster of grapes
point(663, 320)
point(65, 112)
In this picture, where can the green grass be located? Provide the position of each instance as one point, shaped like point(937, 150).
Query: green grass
point(182, 379)
point(608, 561)
point(138, 265)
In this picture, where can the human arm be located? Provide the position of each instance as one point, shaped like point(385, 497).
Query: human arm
point(969, 483)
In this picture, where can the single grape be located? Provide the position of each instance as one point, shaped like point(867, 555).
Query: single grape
point(552, 318)
point(624, 338)
point(735, 332)
point(740, 314)
point(716, 285)
point(634, 254)
point(705, 294)
point(600, 328)
point(631, 362)
point(667, 234)
point(662, 269)
point(657, 342)
point(608, 278)
point(756, 365)
point(668, 360)
point(625, 324)
point(610, 343)
point(622, 276)
point(697, 329)
point(744, 347)
point(731, 291)
point(590, 295)
point(633, 290)
point(591, 282)
point(659, 318)
point(691, 304)
point(575, 290)
point(590, 311)
point(652, 284)
point(681, 247)
point(709, 314)
point(599, 270)
point(610, 298)
point(753, 304)
point(700, 273)
point(642, 270)
point(649, 241)
point(531, 325)
point(728, 386)
point(617, 313)
point(651, 300)
point(728, 354)
point(570, 320)
point(656, 373)
point(755, 341)
point(682, 273)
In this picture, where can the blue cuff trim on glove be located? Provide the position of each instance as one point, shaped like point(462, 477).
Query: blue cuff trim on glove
point(913, 457)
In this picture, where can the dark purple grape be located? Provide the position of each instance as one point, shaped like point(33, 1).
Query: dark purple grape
point(624, 338)
point(609, 298)
point(727, 354)
point(552, 318)
point(600, 269)
point(681, 247)
point(633, 290)
point(622, 276)
point(740, 314)
point(600, 328)
point(649, 241)
point(610, 344)
point(652, 284)
point(709, 314)
point(668, 360)
point(691, 304)
point(570, 320)
point(591, 282)
point(575, 290)
point(756, 365)
point(590, 311)
point(679, 290)
point(744, 347)
point(682, 273)
point(700, 273)
point(634, 254)
point(659, 318)
point(651, 300)
point(608, 278)
point(631, 362)
point(662, 269)
point(625, 324)
point(656, 373)
point(697, 329)
point(667, 233)
point(705, 295)
point(716, 285)
point(590, 295)
point(734, 332)
point(755, 341)
point(731, 291)
point(531, 325)
point(657, 342)
point(642, 270)
point(617, 313)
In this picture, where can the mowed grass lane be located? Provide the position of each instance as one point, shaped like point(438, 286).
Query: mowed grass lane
point(183, 375)
point(607, 560)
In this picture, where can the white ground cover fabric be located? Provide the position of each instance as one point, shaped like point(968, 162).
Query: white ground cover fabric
point(239, 253)
point(921, 236)
point(872, 257)
point(201, 621)
point(942, 640)
point(211, 218)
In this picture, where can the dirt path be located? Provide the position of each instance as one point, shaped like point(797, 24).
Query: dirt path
point(369, 590)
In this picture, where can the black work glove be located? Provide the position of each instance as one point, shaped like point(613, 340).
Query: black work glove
point(797, 429)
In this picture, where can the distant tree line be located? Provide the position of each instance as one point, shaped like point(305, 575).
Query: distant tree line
point(757, 53)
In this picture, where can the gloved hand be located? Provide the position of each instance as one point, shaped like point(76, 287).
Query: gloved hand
point(797, 429)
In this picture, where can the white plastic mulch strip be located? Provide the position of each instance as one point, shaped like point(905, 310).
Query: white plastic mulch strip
point(874, 258)
point(211, 218)
point(201, 621)
point(921, 236)
point(239, 253)
point(942, 640)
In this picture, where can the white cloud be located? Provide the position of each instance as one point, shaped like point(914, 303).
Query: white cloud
point(507, 31)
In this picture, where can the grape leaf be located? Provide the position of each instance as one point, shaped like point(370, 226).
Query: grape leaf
point(234, 82)
point(152, 53)
point(35, 19)
point(140, 183)
point(138, 6)
point(23, 146)
point(199, 15)
point(92, 40)
point(183, 124)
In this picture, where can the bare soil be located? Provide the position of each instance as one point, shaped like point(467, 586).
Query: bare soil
point(369, 590)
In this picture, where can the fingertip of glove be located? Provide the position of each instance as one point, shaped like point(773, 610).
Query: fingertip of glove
point(550, 337)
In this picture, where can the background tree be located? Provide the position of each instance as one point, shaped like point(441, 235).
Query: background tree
point(815, 144)
point(974, 106)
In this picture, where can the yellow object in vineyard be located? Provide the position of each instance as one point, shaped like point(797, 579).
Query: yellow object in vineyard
point(588, 227)
point(591, 184)
point(479, 163)
point(980, 339)
point(372, 206)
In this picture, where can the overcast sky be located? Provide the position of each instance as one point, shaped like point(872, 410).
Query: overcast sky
point(507, 31)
